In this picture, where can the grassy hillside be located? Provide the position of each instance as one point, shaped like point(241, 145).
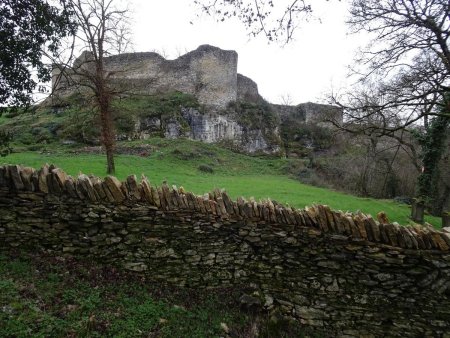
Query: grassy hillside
point(200, 167)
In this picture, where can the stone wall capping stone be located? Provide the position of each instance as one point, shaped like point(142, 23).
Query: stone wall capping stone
point(42, 178)
point(97, 184)
point(26, 175)
point(87, 188)
point(446, 237)
point(146, 191)
point(15, 176)
point(359, 222)
point(173, 196)
point(107, 191)
point(69, 187)
point(114, 187)
point(53, 185)
point(155, 196)
point(132, 187)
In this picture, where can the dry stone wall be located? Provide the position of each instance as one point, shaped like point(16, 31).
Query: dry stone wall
point(345, 275)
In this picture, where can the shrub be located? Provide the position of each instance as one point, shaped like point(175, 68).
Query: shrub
point(41, 135)
point(25, 138)
point(5, 139)
point(124, 124)
point(205, 168)
point(81, 127)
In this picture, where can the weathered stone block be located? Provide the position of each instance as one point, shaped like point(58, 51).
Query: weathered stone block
point(42, 179)
point(114, 187)
point(132, 187)
point(26, 175)
point(87, 188)
point(15, 177)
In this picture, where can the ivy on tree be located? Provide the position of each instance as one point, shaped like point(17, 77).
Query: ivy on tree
point(433, 143)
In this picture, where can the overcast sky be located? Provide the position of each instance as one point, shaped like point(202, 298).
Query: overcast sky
point(304, 70)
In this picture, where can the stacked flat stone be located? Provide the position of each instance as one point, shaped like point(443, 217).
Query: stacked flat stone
point(52, 180)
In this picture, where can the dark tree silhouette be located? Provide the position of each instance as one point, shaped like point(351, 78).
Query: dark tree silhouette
point(403, 79)
point(406, 65)
point(28, 29)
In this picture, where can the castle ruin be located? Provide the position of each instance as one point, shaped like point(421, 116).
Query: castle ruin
point(210, 75)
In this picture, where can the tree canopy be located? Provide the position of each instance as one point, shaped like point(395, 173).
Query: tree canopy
point(28, 30)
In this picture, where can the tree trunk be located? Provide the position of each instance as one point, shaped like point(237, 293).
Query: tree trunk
point(107, 131)
point(110, 166)
point(104, 98)
point(108, 140)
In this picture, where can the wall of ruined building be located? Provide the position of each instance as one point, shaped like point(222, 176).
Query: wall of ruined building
point(247, 90)
point(339, 274)
point(208, 72)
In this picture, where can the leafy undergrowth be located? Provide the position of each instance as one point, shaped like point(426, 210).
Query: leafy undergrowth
point(45, 296)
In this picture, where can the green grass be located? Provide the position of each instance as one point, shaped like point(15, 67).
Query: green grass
point(177, 162)
point(44, 296)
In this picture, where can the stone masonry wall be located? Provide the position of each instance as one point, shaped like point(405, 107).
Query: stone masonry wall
point(208, 72)
point(345, 275)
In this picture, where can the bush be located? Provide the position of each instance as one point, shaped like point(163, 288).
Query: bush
point(298, 137)
point(205, 168)
point(26, 138)
point(41, 135)
point(124, 124)
point(5, 139)
point(81, 127)
point(35, 147)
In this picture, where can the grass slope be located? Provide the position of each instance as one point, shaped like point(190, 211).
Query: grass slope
point(178, 162)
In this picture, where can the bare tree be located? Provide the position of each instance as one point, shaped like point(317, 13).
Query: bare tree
point(403, 74)
point(102, 31)
point(407, 62)
point(406, 65)
point(286, 99)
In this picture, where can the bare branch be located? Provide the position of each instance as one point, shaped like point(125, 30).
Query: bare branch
point(277, 22)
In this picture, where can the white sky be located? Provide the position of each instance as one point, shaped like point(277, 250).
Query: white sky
point(305, 69)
